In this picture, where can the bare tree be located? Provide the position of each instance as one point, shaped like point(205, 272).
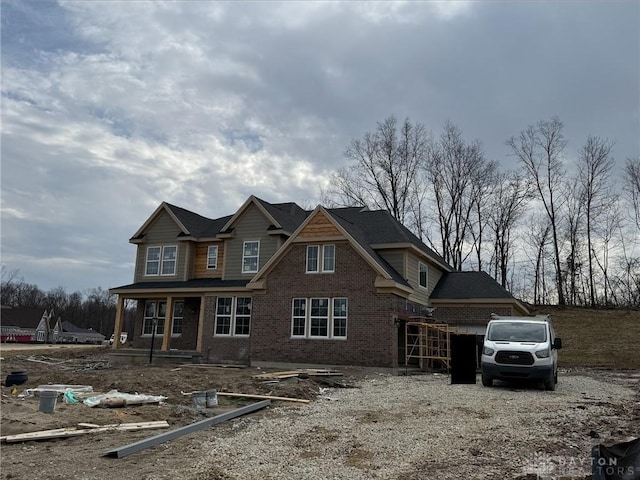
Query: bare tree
point(632, 186)
point(384, 169)
point(539, 148)
point(595, 165)
point(575, 232)
point(457, 172)
point(536, 250)
point(507, 207)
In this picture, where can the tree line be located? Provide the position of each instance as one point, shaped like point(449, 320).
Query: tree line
point(560, 227)
point(95, 308)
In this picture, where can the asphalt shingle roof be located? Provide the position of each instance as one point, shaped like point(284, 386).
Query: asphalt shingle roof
point(289, 215)
point(21, 317)
point(197, 225)
point(188, 284)
point(380, 227)
point(467, 285)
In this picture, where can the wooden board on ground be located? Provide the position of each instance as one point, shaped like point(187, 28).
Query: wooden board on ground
point(310, 372)
point(85, 428)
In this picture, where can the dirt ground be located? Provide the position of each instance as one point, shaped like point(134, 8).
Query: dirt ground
point(84, 457)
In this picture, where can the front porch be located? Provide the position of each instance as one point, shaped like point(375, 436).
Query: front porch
point(154, 357)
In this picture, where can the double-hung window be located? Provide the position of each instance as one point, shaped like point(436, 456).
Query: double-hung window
point(250, 256)
point(319, 318)
point(212, 257)
point(233, 316)
point(155, 312)
point(423, 275)
point(161, 260)
point(321, 258)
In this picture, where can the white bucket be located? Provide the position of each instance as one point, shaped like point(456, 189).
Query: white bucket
point(199, 399)
point(212, 398)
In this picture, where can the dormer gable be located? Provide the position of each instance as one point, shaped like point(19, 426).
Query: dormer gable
point(163, 209)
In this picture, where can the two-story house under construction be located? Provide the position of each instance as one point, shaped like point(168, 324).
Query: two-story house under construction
point(274, 283)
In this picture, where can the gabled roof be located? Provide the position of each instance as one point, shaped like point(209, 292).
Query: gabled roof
point(71, 328)
point(190, 224)
point(379, 227)
point(353, 234)
point(469, 285)
point(288, 215)
point(21, 317)
point(196, 225)
point(285, 216)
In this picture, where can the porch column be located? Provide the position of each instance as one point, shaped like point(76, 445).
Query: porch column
point(117, 328)
point(200, 326)
point(168, 325)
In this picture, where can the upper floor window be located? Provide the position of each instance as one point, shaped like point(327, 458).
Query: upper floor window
point(161, 260)
point(233, 316)
point(250, 256)
point(321, 258)
point(423, 275)
point(212, 257)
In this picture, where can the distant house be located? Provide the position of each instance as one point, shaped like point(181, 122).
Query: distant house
point(72, 334)
point(26, 325)
point(274, 283)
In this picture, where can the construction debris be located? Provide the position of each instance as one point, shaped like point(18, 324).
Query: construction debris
point(82, 429)
point(158, 439)
point(115, 398)
point(247, 395)
point(304, 372)
point(266, 397)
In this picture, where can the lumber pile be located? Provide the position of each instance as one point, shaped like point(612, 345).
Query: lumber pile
point(82, 429)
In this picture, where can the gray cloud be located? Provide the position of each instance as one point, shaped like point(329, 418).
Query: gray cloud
point(109, 108)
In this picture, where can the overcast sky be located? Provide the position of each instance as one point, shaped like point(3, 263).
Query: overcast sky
point(110, 108)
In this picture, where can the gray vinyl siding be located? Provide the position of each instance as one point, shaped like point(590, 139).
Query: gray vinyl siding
point(163, 231)
point(251, 226)
point(396, 258)
point(421, 294)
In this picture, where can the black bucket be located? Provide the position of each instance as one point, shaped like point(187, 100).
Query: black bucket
point(15, 378)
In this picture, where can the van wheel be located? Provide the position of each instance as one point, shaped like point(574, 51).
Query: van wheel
point(550, 384)
point(487, 382)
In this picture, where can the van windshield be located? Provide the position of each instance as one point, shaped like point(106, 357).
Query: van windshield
point(517, 332)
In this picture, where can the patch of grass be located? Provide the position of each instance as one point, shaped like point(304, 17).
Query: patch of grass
point(597, 338)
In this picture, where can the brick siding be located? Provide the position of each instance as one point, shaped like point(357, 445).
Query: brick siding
point(371, 333)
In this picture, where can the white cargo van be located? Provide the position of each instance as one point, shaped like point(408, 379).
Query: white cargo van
point(523, 348)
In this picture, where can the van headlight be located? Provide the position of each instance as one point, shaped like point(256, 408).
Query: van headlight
point(487, 351)
point(543, 353)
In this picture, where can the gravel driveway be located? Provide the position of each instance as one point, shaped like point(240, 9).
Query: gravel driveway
point(421, 427)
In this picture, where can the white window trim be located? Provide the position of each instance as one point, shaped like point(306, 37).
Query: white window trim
point(317, 262)
point(324, 256)
point(160, 262)
point(160, 335)
point(173, 319)
point(232, 324)
point(209, 266)
point(330, 321)
point(155, 315)
point(426, 267)
point(257, 257)
point(320, 260)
